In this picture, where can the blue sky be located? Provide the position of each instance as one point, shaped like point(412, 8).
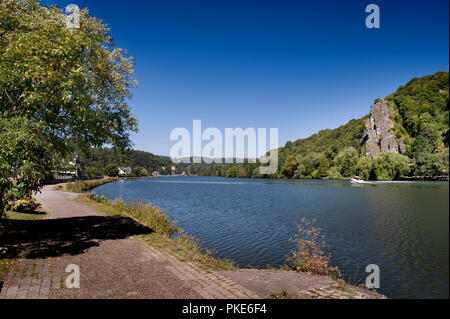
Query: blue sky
point(299, 66)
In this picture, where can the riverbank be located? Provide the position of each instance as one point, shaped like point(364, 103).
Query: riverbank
point(83, 186)
point(108, 243)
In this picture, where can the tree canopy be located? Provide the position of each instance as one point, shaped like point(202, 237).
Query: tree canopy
point(72, 80)
point(25, 157)
point(60, 88)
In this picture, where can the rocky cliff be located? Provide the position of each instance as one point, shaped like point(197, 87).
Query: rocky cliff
point(379, 134)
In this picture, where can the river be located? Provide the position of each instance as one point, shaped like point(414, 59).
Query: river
point(401, 227)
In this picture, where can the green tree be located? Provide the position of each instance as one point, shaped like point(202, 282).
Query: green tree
point(390, 166)
point(335, 173)
point(111, 170)
point(26, 156)
point(232, 171)
point(290, 165)
point(72, 80)
point(442, 162)
point(364, 168)
point(93, 172)
point(72, 84)
point(323, 167)
point(139, 171)
point(346, 161)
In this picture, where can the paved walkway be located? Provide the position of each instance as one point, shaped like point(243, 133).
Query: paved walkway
point(112, 263)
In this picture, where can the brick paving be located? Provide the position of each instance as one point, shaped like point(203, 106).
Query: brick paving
point(114, 264)
point(122, 267)
point(45, 278)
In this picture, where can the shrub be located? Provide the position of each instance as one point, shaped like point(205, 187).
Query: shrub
point(25, 205)
point(140, 171)
point(310, 255)
point(93, 172)
point(101, 198)
point(111, 170)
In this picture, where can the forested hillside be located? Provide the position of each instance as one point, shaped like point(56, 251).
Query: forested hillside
point(420, 118)
point(97, 160)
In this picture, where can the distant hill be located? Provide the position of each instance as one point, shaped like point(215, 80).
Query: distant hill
point(99, 158)
point(328, 142)
point(406, 134)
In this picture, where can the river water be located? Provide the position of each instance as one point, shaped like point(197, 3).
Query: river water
point(401, 227)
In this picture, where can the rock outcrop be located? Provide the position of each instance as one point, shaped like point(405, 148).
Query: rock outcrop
point(379, 133)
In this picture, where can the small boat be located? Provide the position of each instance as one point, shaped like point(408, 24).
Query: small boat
point(357, 180)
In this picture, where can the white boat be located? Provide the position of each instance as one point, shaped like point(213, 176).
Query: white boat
point(358, 180)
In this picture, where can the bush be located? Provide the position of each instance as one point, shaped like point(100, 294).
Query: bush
point(25, 205)
point(101, 199)
point(112, 170)
point(310, 256)
point(140, 171)
point(26, 157)
point(93, 172)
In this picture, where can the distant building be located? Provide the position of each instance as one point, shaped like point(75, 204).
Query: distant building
point(156, 173)
point(124, 171)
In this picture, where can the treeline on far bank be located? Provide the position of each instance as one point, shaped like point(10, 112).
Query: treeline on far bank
point(348, 163)
point(98, 162)
point(421, 119)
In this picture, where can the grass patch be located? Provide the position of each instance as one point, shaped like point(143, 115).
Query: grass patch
point(5, 267)
point(166, 234)
point(37, 215)
point(283, 294)
point(83, 186)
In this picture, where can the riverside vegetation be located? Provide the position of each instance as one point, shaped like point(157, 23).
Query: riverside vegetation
point(420, 117)
point(165, 233)
point(50, 77)
point(311, 255)
point(83, 186)
point(419, 112)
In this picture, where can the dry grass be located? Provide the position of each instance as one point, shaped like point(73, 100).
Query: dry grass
point(147, 215)
point(83, 186)
point(311, 256)
point(167, 235)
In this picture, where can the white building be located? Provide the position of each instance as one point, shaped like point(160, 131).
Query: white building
point(124, 171)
